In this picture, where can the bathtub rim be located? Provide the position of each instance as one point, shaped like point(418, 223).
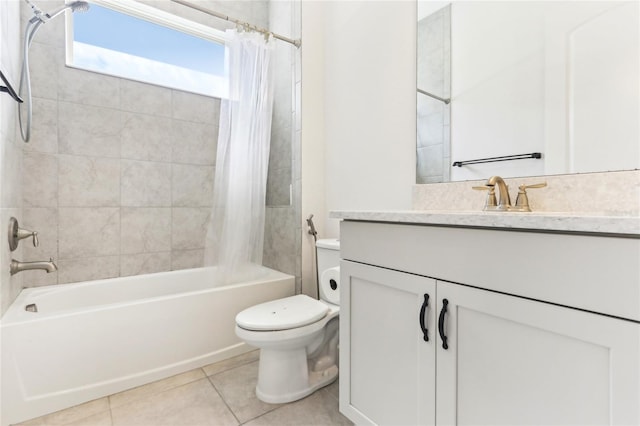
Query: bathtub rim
point(17, 314)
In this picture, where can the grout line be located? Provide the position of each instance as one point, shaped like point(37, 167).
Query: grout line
point(233, 367)
point(110, 411)
point(267, 412)
point(146, 395)
point(222, 399)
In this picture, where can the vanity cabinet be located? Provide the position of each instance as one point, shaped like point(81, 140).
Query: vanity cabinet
point(390, 371)
point(517, 361)
point(509, 358)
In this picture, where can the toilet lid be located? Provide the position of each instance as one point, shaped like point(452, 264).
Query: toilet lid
point(282, 314)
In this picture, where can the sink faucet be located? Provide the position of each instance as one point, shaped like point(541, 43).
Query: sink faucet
point(17, 266)
point(504, 201)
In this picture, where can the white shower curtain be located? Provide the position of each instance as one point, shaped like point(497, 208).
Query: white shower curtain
point(236, 230)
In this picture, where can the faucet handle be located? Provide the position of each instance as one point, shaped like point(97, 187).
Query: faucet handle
point(491, 203)
point(25, 233)
point(16, 234)
point(522, 201)
point(535, 185)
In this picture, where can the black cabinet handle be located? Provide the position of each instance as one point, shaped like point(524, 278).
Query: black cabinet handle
point(423, 320)
point(443, 312)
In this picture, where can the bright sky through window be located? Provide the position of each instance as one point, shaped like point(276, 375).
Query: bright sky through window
point(115, 43)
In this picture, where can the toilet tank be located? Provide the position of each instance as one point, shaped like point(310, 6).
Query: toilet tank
point(328, 252)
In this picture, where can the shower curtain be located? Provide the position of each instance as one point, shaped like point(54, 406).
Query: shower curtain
point(236, 229)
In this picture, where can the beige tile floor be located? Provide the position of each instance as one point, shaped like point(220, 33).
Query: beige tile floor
point(218, 394)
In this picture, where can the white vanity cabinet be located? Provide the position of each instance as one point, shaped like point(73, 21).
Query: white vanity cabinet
point(515, 361)
point(389, 373)
point(511, 357)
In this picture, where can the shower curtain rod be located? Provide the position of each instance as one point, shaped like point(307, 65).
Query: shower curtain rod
point(210, 12)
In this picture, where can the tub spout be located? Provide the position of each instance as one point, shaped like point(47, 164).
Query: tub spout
point(17, 266)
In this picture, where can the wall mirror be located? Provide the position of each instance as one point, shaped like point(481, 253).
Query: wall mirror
point(499, 78)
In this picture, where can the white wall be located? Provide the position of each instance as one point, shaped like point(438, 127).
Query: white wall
point(312, 136)
point(358, 111)
point(370, 110)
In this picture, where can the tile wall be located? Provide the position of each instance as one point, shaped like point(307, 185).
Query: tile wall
point(118, 177)
point(434, 76)
point(10, 149)
point(283, 225)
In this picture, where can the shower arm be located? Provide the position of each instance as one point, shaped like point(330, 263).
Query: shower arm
point(36, 10)
point(43, 17)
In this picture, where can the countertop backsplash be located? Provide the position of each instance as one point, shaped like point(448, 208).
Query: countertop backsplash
point(608, 193)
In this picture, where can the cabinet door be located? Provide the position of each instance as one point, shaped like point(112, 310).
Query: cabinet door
point(387, 369)
point(517, 361)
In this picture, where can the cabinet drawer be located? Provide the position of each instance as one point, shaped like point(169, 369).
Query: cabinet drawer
point(594, 273)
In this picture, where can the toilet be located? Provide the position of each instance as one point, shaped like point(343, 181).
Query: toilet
point(297, 335)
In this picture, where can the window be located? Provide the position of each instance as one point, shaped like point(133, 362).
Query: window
point(135, 41)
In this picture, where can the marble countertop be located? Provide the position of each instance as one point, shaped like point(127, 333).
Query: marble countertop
point(592, 223)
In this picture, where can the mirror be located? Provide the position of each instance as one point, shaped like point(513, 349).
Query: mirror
point(558, 79)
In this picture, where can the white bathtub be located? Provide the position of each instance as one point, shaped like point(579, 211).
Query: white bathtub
point(92, 339)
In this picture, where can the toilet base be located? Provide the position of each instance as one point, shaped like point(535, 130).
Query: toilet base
point(286, 376)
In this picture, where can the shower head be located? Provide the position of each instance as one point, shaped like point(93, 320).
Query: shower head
point(39, 17)
point(75, 6)
point(79, 6)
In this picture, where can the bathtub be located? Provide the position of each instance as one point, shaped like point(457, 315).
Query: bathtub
point(88, 340)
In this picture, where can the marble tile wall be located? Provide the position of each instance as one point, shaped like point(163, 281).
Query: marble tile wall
point(433, 116)
point(283, 224)
point(280, 162)
point(125, 184)
point(11, 163)
point(118, 177)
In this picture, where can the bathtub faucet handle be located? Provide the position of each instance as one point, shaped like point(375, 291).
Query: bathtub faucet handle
point(25, 233)
point(16, 234)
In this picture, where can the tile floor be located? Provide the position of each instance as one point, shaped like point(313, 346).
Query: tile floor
point(218, 394)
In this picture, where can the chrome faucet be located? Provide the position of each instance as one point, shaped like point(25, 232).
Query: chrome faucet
point(17, 266)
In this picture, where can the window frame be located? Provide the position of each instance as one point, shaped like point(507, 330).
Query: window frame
point(153, 15)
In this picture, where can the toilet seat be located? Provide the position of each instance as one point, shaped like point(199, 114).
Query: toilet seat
point(282, 314)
